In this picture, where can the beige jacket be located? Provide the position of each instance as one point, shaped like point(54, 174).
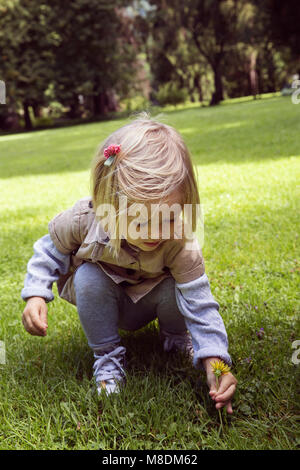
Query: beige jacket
point(75, 231)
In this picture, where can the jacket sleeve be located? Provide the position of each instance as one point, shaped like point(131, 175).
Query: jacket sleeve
point(65, 228)
point(202, 318)
point(44, 268)
point(185, 260)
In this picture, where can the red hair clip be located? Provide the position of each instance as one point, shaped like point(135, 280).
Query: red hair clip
point(110, 152)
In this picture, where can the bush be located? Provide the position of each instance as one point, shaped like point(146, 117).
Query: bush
point(135, 103)
point(55, 109)
point(43, 121)
point(169, 93)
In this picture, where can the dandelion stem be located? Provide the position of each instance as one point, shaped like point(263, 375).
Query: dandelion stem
point(220, 415)
point(219, 369)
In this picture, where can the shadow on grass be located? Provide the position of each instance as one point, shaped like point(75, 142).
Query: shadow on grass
point(64, 123)
point(252, 134)
point(67, 357)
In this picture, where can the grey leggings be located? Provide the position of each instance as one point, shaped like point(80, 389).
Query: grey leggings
point(104, 307)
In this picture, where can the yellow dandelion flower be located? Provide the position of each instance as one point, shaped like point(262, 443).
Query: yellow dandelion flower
point(219, 368)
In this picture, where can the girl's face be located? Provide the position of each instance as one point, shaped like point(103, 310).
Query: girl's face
point(146, 232)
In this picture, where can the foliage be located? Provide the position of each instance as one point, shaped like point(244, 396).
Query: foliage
point(26, 42)
point(170, 93)
point(92, 54)
point(232, 41)
point(76, 50)
point(283, 19)
point(134, 104)
point(85, 54)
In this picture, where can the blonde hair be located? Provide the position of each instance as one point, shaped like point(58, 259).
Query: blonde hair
point(153, 162)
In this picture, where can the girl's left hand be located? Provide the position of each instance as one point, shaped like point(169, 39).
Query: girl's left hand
point(227, 387)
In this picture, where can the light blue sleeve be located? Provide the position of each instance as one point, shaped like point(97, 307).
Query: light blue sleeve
point(202, 319)
point(44, 268)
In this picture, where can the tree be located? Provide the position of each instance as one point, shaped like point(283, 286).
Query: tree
point(25, 51)
point(282, 20)
point(210, 31)
point(170, 53)
point(77, 48)
point(212, 27)
point(92, 54)
point(265, 64)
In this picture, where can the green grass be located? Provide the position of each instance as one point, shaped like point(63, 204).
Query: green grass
point(247, 156)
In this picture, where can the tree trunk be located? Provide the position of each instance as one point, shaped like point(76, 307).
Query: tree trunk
point(96, 105)
point(260, 84)
point(99, 104)
point(271, 74)
point(191, 90)
point(113, 104)
point(217, 96)
point(27, 118)
point(74, 111)
point(253, 74)
point(103, 103)
point(37, 110)
point(198, 86)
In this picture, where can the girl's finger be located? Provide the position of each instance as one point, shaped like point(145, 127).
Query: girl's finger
point(36, 321)
point(225, 396)
point(229, 408)
point(24, 322)
point(43, 315)
point(220, 405)
point(226, 380)
point(30, 327)
point(212, 394)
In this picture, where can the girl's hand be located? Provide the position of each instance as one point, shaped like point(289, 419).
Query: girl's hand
point(227, 386)
point(34, 316)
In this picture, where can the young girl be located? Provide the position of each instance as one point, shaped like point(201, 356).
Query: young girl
point(122, 258)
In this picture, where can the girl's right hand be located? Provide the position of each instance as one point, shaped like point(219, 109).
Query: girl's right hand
point(34, 316)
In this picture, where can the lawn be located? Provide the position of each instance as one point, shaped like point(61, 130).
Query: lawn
point(247, 158)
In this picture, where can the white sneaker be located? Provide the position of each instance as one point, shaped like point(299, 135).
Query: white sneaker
point(109, 370)
point(178, 342)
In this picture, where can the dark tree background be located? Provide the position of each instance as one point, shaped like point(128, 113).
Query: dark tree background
point(86, 58)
